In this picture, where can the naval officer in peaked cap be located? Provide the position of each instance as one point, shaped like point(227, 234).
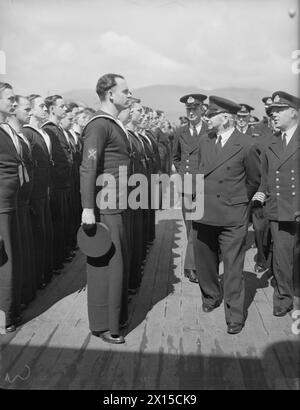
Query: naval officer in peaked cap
point(243, 117)
point(230, 163)
point(185, 158)
point(279, 190)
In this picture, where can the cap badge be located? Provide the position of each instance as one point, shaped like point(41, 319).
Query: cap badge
point(190, 100)
point(276, 99)
point(269, 101)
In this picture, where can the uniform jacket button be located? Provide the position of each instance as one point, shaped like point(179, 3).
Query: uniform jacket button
point(293, 193)
point(277, 193)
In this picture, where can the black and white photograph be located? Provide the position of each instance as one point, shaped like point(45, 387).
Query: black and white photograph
point(149, 197)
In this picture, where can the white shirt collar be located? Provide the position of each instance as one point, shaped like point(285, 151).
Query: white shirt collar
point(289, 133)
point(225, 136)
point(198, 128)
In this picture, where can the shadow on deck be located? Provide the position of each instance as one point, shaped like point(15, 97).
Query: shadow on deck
point(110, 370)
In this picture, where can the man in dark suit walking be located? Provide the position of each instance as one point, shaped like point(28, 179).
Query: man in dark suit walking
point(229, 162)
point(185, 159)
point(280, 191)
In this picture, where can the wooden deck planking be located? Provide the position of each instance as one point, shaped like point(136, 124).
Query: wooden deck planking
point(148, 372)
point(171, 343)
point(276, 330)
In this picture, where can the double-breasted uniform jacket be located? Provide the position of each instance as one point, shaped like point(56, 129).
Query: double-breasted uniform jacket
point(281, 178)
point(41, 160)
point(61, 155)
point(186, 149)
point(231, 178)
point(10, 162)
point(106, 147)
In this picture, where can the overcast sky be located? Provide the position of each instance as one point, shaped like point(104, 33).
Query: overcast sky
point(55, 46)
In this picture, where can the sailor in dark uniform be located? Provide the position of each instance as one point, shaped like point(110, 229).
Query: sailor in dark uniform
point(11, 178)
point(139, 167)
point(161, 140)
point(79, 122)
point(280, 191)
point(41, 149)
point(16, 121)
point(60, 190)
point(106, 149)
point(65, 124)
point(154, 167)
point(230, 163)
point(185, 158)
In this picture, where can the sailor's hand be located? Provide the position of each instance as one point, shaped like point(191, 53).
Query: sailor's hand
point(88, 217)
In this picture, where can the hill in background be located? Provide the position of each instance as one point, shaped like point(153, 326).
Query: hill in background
point(166, 97)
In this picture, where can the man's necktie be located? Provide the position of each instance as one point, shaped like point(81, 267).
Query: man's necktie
point(219, 144)
point(194, 133)
point(284, 142)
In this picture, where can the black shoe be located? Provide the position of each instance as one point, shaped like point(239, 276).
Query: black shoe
point(68, 259)
point(109, 338)
point(96, 333)
point(234, 328)
point(193, 277)
point(209, 308)
point(280, 311)
point(10, 328)
point(56, 272)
